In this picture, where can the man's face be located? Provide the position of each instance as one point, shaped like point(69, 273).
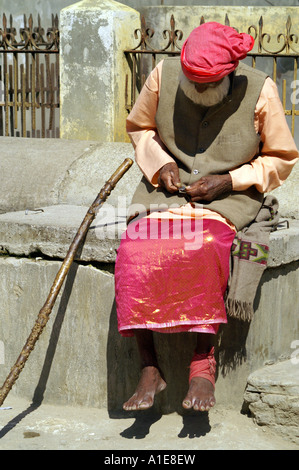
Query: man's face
point(205, 94)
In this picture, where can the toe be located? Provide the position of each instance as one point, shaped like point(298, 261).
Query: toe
point(144, 405)
point(187, 404)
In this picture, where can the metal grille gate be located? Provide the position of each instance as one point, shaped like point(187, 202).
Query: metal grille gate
point(29, 79)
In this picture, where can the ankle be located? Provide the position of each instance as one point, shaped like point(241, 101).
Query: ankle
point(204, 349)
point(149, 363)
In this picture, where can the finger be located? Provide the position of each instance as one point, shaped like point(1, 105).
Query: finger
point(197, 198)
point(176, 181)
point(195, 190)
point(172, 185)
point(165, 181)
point(169, 177)
point(173, 180)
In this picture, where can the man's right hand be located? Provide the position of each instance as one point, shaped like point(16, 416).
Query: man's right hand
point(169, 177)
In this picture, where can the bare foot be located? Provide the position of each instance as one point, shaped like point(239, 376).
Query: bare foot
point(150, 384)
point(200, 395)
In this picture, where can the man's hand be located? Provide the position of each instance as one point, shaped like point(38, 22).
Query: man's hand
point(209, 187)
point(169, 177)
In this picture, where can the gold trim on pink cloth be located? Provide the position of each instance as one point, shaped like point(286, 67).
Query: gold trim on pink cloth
point(189, 211)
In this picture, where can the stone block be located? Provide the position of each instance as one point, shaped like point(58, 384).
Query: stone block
point(32, 170)
point(69, 362)
point(45, 172)
point(272, 395)
point(50, 233)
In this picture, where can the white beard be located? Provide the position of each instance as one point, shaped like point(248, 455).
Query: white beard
point(209, 97)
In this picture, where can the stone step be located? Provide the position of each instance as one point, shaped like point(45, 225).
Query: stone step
point(272, 396)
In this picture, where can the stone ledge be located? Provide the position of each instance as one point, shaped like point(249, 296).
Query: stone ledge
point(284, 244)
point(51, 232)
point(281, 378)
point(47, 172)
point(272, 395)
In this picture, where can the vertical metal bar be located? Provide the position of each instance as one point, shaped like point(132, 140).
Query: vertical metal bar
point(11, 97)
point(154, 61)
point(27, 68)
point(53, 113)
point(5, 79)
point(33, 104)
point(284, 94)
point(57, 82)
point(27, 90)
point(126, 91)
point(38, 90)
point(52, 108)
point(293, 112)
point(15, 89)
point(23, 100)
point(48, 87)
point(274, 69)
point(133, 79)
point(6, 105)
point(47, 77)
point(4, 67)
point(42, 98)
point(37, 69)
point(2, 100)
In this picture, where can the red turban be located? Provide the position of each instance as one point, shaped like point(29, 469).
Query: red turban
point(212, 51)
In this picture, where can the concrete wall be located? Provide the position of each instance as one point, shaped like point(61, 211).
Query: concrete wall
point(188, 17)
point(80, 357)
point(44, 8)
point(139, 4)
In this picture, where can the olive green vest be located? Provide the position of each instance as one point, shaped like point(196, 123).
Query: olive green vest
point(206, 141)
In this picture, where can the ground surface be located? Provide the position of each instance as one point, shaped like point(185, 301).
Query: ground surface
point(48, 427)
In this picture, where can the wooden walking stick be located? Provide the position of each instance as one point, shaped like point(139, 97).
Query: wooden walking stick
point(45, 311)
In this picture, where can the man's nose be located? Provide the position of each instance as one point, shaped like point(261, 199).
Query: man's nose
point(201, 87)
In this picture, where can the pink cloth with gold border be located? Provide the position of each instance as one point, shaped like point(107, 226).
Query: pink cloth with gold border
point(171, 275)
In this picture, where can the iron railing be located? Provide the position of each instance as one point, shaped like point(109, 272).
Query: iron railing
point(29, 79)
point(281, 51)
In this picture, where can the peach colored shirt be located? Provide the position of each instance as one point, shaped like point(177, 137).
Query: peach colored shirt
point(268, 171)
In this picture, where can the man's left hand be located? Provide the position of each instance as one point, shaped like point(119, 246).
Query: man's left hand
point(209, 187)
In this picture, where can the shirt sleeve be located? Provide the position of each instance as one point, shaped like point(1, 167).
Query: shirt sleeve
point(150, 152)
point(278, 153)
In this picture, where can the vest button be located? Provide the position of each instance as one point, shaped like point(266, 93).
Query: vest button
point(201, 150)
point(205, 124)
point(195, 172)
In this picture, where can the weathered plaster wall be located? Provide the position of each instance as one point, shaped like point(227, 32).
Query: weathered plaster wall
point(93, 68)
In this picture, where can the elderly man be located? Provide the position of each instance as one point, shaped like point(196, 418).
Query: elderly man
point(210, 138)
